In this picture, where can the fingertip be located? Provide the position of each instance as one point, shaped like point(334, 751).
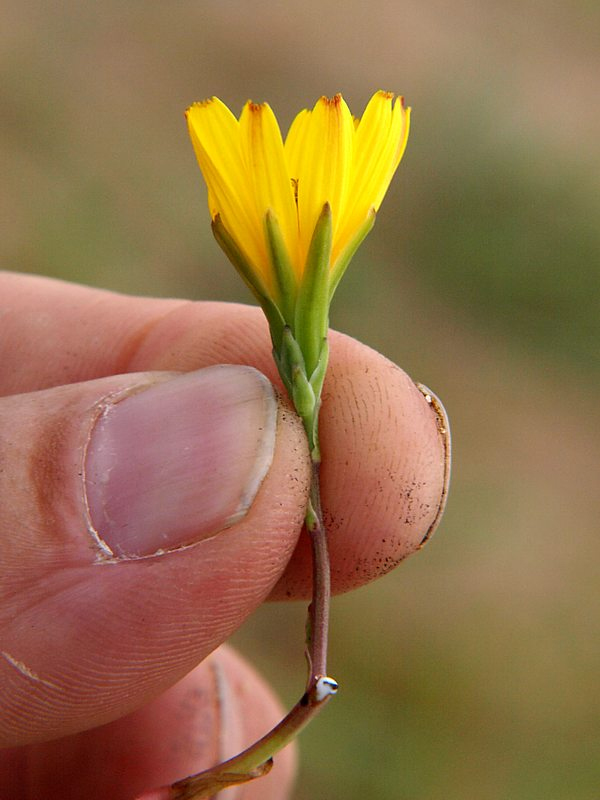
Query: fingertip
point(385, 469)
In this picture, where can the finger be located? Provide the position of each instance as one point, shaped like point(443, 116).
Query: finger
point(53, 332)
point(216, 711)
point(149, 514)
point(385, 448)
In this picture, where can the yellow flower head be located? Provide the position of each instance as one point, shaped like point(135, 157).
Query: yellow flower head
point(290, 215)
point(328, 157)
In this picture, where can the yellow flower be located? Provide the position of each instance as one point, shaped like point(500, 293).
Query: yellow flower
point(291, 215)
point(328, 158)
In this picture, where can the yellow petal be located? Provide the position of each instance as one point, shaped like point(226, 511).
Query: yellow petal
point(262, 150)
point(215, 135)
point(379, 143)
point(294, 141)
point(216, 139)
point(319, 154)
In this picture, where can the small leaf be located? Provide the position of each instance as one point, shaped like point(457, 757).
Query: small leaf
point(283, 270)
point(312, 306)
point(303, 394)
point(251, 279)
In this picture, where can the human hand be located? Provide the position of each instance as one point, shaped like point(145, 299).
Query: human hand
point(145, 514)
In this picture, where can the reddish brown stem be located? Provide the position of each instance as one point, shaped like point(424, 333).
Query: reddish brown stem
point(257, 759)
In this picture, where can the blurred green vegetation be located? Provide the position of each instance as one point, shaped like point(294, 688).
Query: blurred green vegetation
point(472, 670)
point(515, 244)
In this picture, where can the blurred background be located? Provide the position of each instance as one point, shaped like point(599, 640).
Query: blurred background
point(472, 670)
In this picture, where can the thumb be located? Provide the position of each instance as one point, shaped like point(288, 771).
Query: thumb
point(143, 518)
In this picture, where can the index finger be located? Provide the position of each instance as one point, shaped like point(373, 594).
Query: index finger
point(385, 444)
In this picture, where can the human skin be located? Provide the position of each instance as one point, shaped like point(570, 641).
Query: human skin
point(106, 612)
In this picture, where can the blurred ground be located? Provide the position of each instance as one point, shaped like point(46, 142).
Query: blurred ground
point(472, 670)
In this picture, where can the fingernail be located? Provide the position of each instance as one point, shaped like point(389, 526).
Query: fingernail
point(443, 426)
point(180, 461)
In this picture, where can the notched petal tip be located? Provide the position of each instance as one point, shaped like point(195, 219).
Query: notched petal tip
point(392, 97)
point(198, 107)
point(208, 101)
point(330, 102)
point(256, 108)
point(401, 101)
